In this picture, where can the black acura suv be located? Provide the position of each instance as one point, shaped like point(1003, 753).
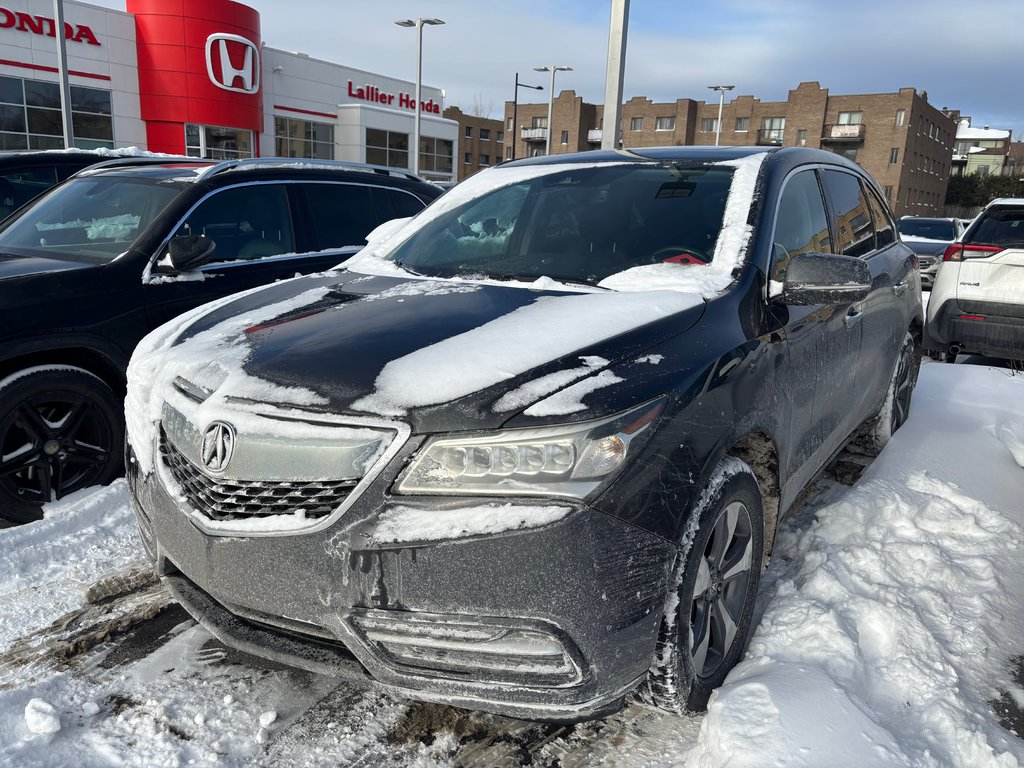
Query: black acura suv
point(92, 266)
point(529, 451)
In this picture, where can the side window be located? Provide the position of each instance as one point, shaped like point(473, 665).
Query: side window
point(342, 214)
point(246, 223)
point(406, 204)
point(17, 187)
point(854, 232)
point(801, 225)
point(885, 230)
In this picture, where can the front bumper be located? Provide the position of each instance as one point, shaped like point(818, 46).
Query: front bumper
point(995, 335)
point(550, 623)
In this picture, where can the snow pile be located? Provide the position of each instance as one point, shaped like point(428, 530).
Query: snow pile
point(399, 525)
point(41, 717)
point(548, 328)
point(898, 615)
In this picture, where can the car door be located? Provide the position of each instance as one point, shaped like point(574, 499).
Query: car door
point(822, 341)
point(883, 313)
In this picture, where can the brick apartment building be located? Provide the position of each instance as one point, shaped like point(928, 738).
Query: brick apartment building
point(481, 142)
point(899, 138)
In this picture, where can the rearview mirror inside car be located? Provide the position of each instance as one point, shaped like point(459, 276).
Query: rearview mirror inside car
point(825, 278)
point(188, 252)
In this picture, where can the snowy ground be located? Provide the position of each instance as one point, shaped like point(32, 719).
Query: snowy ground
point(891, 634)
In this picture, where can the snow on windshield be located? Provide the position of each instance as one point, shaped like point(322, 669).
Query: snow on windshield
point(548, 328)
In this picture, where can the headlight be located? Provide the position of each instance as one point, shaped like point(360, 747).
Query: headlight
point(565, 460)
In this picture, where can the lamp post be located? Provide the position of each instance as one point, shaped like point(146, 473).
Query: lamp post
point(515, 111)
point(551, 97)
point(721, 101)
point(418, 23)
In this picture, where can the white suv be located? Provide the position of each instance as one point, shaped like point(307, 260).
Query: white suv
point(977, 301)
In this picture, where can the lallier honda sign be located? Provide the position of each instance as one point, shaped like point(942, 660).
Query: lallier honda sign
point(44, 25)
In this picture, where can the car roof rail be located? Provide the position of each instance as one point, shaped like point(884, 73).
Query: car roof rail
point(128, 162)
point(254, 163)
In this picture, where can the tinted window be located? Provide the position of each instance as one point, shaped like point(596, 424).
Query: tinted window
point(801, 225)
point(18, 187)
point(249, 222)
point(405, 203)
point(854, 230)
point(999, 226)
point(885, 233)
point(342, 214)
point(933, 229)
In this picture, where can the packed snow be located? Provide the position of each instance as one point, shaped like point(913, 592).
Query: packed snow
point(889, 632)
point(408, 524)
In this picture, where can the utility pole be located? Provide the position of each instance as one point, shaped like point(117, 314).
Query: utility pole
point(615, 74)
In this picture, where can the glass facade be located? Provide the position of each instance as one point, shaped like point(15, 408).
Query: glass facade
point(303, 138)
point(30, 116)
point(217, 143)
point(435, 155)
point(387, 148)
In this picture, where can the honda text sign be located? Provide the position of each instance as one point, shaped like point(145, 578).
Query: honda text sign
point(233, 63)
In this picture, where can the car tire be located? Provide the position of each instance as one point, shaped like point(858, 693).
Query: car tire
point(895, 408)
point(61, 430)
point(710, 605)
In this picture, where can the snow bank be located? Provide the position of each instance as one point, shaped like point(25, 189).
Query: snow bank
point(894, 624)
point(548, 328)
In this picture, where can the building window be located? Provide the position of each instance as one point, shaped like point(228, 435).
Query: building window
point(501, 137)
point(636, 124)
point(436, 156)
point(485, 160)
point(850, 118)
point(216, 142)
point(665, 124)
point(772, 130)
point(983, 170)
point(302, 138)
point(565, 137)
point(742, 124)
point(709, 125)
point(467, 158)
point(485, 134)
point(539, 122)
point(30, 116)
point(801, 137)
point(469, 131)
point(849, 154)
point(901, 117)
point(387, 148)
point(894, 155)
point(888, 192)
point(510, 126)
point(508, 153)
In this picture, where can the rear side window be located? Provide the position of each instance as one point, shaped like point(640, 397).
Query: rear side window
point(854, 231)
point(20, 186)
point(341, 214)
point(999, 226)
point(801, 225)
point(405, 204)
point(885, 231)
point(246, 223)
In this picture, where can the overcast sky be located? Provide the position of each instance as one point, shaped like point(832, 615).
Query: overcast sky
point(966, 55)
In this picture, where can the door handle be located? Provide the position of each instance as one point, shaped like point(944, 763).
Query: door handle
point(899, 288)
point(852, 318)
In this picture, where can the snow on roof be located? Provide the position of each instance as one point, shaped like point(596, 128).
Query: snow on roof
point(980, 133)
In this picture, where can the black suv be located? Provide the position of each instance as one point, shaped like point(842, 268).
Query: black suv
point(92, 266)
point(24, 175)
point(528, 451)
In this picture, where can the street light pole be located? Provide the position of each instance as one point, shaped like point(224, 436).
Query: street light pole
point(721, 101)
point(515, 111)
point(418, 23)
point(62, 72)
point(551, 97)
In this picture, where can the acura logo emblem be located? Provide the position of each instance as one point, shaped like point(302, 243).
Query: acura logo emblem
point(218, 442)
point(233, 63)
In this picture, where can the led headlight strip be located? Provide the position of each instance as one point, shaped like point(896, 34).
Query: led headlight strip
point(563, 460)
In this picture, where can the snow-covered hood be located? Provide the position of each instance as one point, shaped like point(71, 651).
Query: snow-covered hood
point(442, 355)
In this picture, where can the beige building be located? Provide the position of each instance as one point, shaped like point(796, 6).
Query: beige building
point(899, 138)
point(980, 151)
point(481, 142)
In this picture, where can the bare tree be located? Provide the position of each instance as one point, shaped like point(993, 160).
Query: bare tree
point(482, 107)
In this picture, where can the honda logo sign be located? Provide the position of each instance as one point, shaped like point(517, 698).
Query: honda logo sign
point(233, 63)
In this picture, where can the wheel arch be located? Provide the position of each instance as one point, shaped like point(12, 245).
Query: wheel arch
point(758, 451)
point(88, 358)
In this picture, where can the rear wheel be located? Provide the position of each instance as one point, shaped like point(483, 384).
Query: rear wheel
point(708, 618)
point(60, 430)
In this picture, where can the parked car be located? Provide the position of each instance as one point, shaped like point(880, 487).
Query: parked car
point(929, 238)
point(977, 302)
point(24, 175)
point(529, 451)
point(99, 261)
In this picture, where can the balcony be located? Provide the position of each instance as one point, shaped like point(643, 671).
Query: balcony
point(837, 133)
point(534, 134)
point(770, 136)
point(595, 135)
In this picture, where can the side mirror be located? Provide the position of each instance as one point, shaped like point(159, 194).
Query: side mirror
point(188, 252)
point(825, 278)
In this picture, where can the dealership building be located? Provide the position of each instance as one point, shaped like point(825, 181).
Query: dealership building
point(195, 77)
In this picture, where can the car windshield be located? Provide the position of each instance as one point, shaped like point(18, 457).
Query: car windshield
point(933, 229)
point(1000, 226)
point(577, 225)
point(89, 219)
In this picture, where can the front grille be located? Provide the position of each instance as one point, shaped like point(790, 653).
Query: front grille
point(222, 499)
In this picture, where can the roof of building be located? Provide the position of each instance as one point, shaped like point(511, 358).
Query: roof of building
point(990, 134)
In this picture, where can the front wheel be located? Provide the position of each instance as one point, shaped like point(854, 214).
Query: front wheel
point(60, 430)
point(895, 410)
point(708, 618)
